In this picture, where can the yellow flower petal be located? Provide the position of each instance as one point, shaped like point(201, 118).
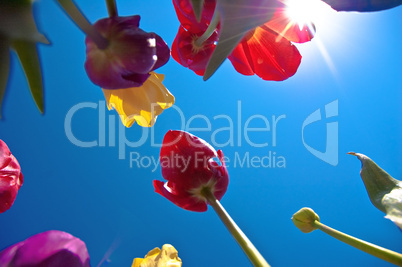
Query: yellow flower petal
point(167, 257)
point(142, 104)
point(149, 260)
point(137, 262)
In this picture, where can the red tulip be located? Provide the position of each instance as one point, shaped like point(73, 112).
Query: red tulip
point(265, 53)
point(283, 25)
point(266, 50)
point(185, 14)
point(11, 177)
point(195, 179)
point(188, 164)
point(188, 54)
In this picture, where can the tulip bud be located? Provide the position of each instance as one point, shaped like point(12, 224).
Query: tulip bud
point(304, 220)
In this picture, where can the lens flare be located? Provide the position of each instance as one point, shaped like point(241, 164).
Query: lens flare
point(304, 12)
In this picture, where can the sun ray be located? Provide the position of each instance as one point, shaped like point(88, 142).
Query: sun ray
point(310, 13)
point(304, 12)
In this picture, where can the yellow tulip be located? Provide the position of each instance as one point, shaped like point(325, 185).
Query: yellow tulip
point(167, 257)
point(142, 104)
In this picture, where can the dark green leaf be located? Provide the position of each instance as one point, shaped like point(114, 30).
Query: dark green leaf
point(237, 19)
point(4, 67)
point(377, 181)
point(384, 191)
point(197, 7)
point(17, 21)
point(28, 56)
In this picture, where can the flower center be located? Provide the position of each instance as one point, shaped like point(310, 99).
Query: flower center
point(196, 45)
point(198, 191)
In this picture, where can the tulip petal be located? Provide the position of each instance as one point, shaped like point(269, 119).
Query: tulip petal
point(125, 63)
point(5, 155)
point(266, 55)
point(282, 24)
point(29, 58)
point(167, 257)
point(185, 14)
point(137, 262)
point(362, 5)
point(4, 68)
point(221, 171)
point(162, 52)
point(186, 53)
point(185, 201)
point(188, 165)
point(11, 177)
point(148, 261)
point(142, 104)
point(237, 19)
point(129, 57)
point(184, 158)
point(51, 248)
point(240, 59)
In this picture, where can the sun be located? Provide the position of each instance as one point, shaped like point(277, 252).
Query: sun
point(312, 14)
point(305, 12)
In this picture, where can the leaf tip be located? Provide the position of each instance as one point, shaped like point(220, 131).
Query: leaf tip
point(197, 8)
point(41, 109)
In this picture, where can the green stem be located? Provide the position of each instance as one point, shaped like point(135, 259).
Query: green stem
point(111, 8)
point(82, 22)
point(210, 30)
point(377, 251)
point(252, 253)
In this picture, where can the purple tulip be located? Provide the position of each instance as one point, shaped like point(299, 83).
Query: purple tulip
point(48, 249)
point(129, 56)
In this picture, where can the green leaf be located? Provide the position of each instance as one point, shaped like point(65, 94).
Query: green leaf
point(393, 206)
point(384, 191)
point(362, 5)
point(237, 18)
point(17, 21)
point(28, 56)
point(4, 67)
point(197, 7)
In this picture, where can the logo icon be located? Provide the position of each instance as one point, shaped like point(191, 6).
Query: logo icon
point(330, 155)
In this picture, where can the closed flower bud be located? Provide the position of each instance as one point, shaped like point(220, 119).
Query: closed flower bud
point(304, 220)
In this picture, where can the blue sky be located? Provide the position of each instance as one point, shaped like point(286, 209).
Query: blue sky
point(92, 194)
